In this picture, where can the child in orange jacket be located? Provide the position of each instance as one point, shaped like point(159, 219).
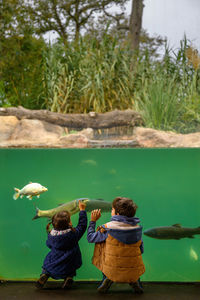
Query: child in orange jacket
point(118, 245)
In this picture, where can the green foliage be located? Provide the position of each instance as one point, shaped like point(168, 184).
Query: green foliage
point(66, 17)
point(2, 94)
point(20, 70)
point(93, 77)
point(14, 20)
point(158, 103)
point(20, 57)
point(169, 98)
point(102, 75)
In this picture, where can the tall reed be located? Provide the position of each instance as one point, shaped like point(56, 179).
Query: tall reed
point(104, 75)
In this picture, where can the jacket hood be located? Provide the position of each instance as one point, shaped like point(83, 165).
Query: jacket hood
point(130, 236)
point(127, 220)
point(65, 241)
point(124, 229)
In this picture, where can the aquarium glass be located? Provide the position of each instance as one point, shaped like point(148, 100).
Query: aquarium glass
point(165, 184)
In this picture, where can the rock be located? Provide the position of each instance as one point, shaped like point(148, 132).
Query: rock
point(30, 133)
point(112, 144)
point(7, 126)
point(151, 138)
point(40, 134)
point(36, 131)
point(88, 132)
point(76, 140)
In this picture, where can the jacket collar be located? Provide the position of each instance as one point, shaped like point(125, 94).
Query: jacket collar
point(59, 232)
point(127, 220)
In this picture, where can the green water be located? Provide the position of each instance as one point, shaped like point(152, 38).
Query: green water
point(165, 183)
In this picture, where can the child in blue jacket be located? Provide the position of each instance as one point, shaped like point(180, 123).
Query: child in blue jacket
point(64, 257)
point(118, 245)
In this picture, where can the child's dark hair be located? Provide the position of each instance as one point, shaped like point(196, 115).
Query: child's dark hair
point(124, 206)
point(60, 221)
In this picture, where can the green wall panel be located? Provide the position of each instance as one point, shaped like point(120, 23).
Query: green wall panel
point(165, 184)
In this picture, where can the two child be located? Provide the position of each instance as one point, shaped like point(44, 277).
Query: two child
point(118, 247)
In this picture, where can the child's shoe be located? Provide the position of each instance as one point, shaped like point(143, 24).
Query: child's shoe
point(67, 283)
point(41, 281)
point(104, 285)
point(137, 286)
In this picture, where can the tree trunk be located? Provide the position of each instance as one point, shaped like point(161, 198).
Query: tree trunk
point(136, 23)
point(93, 120)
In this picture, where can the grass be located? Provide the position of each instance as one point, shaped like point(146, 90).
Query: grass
point(104, 75)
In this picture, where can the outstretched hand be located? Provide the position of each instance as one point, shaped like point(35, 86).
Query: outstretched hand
point(81, 205)
point(95, 215)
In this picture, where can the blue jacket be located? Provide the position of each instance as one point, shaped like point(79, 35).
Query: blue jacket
point(119, 229)
point(65, 256)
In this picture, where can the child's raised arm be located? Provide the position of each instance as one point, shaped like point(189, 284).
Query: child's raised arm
point(98, 236)
point(82, 222)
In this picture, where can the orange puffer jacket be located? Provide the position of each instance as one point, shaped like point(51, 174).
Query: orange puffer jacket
point(118, 261)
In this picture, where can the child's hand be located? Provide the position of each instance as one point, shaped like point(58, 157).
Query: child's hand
point(95, 215)
point(81, 205)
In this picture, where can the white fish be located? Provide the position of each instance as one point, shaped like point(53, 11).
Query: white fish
point(30, 190)
point(193, 254)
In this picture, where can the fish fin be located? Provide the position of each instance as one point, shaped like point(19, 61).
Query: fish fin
point(21, 196)
point(16, 195)
point(36, 216)
point(38, 196)
point(177, 225)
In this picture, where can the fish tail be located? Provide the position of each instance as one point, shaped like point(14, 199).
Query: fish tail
point(36, 216)
point(16, 195)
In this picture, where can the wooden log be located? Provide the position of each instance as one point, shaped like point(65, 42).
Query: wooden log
point(93, 120)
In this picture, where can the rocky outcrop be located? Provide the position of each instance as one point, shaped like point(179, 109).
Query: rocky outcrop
point(26, 133)
point(35, 130)
point(151, 138)
point(30, 133)
point(7, 126)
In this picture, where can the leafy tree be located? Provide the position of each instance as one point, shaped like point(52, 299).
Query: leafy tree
point(20, 72)
point(20, 56)
point(66, 17)
point(13, 19)
point(131, 25)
